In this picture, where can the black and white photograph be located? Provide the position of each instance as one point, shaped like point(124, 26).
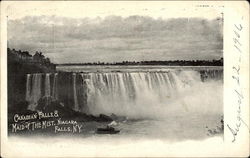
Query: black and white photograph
point(98, 72)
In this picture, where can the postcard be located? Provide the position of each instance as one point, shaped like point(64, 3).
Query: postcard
point(124, 78)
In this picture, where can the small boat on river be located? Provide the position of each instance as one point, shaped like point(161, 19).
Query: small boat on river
point(107, 130)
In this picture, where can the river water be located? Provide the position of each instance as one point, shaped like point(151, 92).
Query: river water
point(174, 103)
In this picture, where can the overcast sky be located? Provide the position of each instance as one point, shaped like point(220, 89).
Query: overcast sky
point(115, 37)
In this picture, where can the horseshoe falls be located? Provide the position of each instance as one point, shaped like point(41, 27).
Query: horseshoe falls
point(134, 94)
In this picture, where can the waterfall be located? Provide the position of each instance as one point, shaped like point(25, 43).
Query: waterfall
point(36, 91)
point(28, 87)
point(85, 92)
point(76, 106)
point(119, 92)
point(47, 85)
point(54, 90)
point(143, 93)
point(122, 93)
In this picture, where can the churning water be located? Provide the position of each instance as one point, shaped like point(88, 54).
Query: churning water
point(152, 94)
point(181, 98)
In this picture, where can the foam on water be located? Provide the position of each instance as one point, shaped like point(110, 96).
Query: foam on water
point(140, 95)
point(131, 94)
point(176, 104)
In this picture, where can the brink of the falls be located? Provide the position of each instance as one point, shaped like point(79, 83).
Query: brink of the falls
point(132, 94)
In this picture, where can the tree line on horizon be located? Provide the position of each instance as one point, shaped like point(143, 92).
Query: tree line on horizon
point(157, 62)
point(38, 57)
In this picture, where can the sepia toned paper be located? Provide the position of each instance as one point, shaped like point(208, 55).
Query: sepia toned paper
point(101, 49)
